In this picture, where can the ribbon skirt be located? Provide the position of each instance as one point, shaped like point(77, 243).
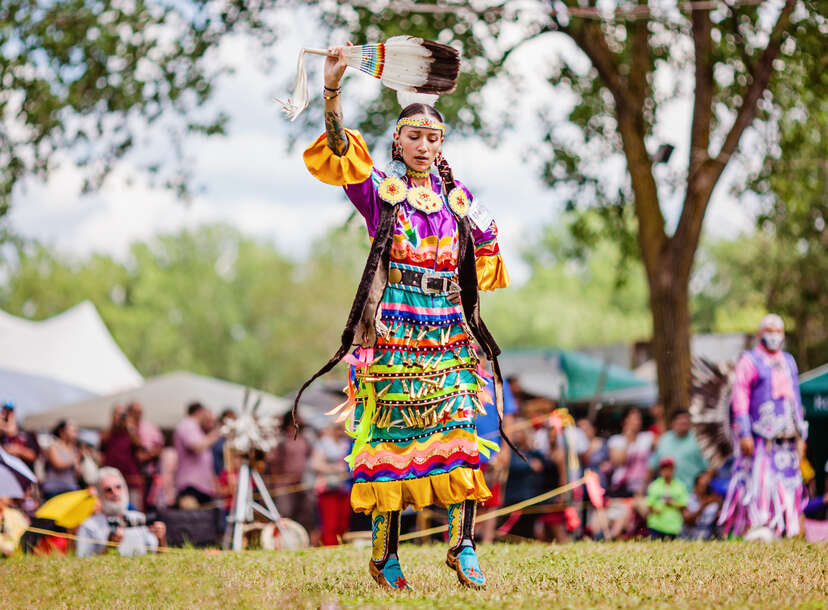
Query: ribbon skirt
point(414, 397)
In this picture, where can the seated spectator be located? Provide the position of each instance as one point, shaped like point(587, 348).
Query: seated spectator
point(13, 524)
point(554, 475)
point(702, 509)
point(525, 480)
point(63, 461)
point(629, 453)
point(227, 482)
point(162, 493)
point(218, 447)
point(151, 442)
point(332, 483)
point(817, 506)
point(496, 465)
point(286, 467)
point(595, 455)
point(526, 477)
point(659, 425)
point(116, 523)
point(13, 439)
point(679, 443)
point(666, 496)
point(193, 439)
point(120, 444)
point(91, 458)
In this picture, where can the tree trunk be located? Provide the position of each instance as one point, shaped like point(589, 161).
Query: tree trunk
point(670, 307)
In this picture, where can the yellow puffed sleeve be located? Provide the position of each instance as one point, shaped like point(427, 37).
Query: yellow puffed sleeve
point(351, 168)
point(491, 272)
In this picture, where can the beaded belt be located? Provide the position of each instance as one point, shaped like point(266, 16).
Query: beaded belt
point(429, 282)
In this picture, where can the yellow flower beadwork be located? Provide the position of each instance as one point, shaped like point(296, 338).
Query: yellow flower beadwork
point(425, 199)
point(459, 202)
point(392, 190)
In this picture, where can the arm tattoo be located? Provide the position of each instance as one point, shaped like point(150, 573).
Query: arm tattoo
point(335, 130)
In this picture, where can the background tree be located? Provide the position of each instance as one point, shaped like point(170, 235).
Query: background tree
point(793, 186)
point(572, 298)
point(730, 49)
point(218, 303)
point(744, 278)
point(783, 267)
point(81, 80)
point(209, 301)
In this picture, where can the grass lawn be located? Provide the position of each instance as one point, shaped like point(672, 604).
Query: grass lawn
point(783, 574)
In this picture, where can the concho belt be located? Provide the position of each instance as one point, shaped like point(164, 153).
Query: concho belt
point(428, 282)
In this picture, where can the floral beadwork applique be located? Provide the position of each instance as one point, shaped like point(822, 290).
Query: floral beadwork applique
point(459, 202)
point(424, 199)
point(392, 190)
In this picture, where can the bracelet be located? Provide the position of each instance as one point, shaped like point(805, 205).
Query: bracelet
point(335, 90)
point(329, 97)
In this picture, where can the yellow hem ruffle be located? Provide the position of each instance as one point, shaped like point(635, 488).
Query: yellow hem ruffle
point(351, 168)
point(440, 490)
point(491, 272)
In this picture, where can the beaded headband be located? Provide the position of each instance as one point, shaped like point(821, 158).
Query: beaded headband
point(427, 123)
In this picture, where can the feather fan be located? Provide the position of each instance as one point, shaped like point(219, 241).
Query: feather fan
point(711, 385)
point(404, 63)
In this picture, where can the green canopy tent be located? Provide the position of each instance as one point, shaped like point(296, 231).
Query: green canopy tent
point(589, 378)
point(814, 388)
point(569, 376)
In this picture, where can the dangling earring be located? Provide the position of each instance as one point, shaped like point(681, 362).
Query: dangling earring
point(397, 149)
point(438, 158)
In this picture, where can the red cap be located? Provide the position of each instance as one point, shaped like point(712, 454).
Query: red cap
point(666, 461)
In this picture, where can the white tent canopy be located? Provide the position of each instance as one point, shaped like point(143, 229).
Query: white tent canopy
point(73, 347)
point(31, 393)
point(164, 399)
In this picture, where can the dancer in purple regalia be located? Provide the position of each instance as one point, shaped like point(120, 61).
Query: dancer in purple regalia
point(766, 495)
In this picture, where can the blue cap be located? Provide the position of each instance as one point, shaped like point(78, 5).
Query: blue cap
point(8, 405)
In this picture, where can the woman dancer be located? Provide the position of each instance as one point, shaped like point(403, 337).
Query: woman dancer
point(413, 393)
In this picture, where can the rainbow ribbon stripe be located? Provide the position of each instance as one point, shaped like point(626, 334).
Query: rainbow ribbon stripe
point(373, 59)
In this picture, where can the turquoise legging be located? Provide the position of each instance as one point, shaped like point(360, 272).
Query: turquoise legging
point(385, 530)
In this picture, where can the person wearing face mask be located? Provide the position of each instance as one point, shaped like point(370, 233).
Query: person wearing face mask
point(415, 383)
point(766, 495)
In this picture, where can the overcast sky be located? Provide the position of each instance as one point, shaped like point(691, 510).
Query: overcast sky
point(251, 180)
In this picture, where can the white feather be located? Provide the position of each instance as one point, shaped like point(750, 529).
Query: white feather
point(248, 432)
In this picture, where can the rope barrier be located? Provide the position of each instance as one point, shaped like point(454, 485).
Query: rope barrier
point(494, 514)
point(109, 543)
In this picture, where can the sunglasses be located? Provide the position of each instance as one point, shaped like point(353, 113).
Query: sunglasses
point(109, 490)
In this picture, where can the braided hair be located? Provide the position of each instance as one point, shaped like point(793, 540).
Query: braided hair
point(440, 161)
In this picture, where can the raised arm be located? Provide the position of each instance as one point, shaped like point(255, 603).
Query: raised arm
point(334, 126)
point(340, 156)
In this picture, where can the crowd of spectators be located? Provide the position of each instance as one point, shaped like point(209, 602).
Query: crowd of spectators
point(648, 476)
point(657, 481)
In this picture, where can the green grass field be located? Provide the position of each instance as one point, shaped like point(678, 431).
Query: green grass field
point(532, 575)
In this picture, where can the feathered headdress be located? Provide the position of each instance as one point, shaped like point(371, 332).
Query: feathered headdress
point(414, 67)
